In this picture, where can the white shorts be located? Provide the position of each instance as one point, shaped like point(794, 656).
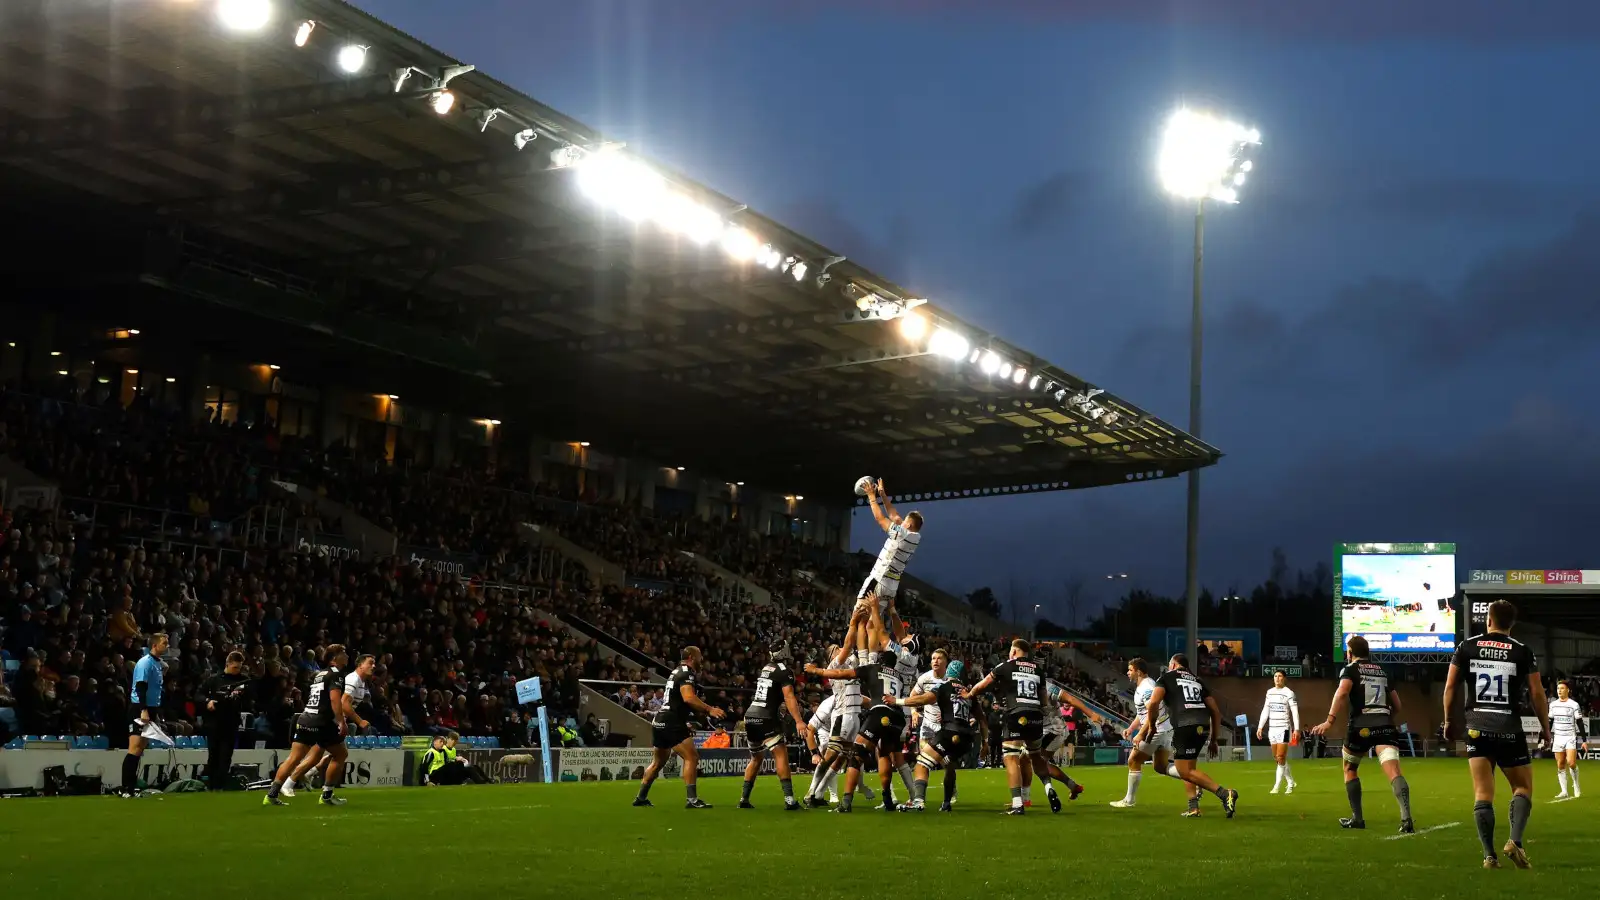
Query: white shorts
point(1162, 741)
point(885, 588)
point(1559, 744)
point(1277, 735)
point(929, 733)
point(845, 727)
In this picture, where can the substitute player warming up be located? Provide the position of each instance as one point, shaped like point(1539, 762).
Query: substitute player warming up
point(1568, 735)
point(1280, 718)
point(1494, 666)
point(1364, 686)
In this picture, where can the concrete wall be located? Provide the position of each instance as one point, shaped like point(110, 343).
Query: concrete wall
point(1422, 712)
point(622, 721)
point(24, 488)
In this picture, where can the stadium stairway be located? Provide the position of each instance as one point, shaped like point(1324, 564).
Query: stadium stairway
point(601, 569)
point(1087, 664)
point(618, 647)
point(749, 590)
point(1120, 719)
point(371, 540)
point(636, 727)
point(24, 487)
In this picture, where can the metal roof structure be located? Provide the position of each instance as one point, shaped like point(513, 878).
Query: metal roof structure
point(341, 210)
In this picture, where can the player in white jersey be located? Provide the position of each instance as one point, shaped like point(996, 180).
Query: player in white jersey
point(1146, 747)
point(905, 533)
point(355, 693)
point(847, 710)
point(1279, 722)
point(1567, 735)
point(821, 724)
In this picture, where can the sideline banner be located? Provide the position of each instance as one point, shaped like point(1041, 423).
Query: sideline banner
point(25, 768)
point(611, 764)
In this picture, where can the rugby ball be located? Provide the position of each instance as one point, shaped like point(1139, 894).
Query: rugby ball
point(862, 485)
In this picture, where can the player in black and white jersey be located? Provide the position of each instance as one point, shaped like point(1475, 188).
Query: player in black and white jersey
point(893, 647)
point(764, 724)
point(354, 700)
point(1374, 707)
point(1568, 735)
point(1493, 667)
point(953, 729)
point(1279, 722)
point(1196, 719)
point(672, 733)
point(1148, 746)
point(320, 726)
point(904, 534)
point(1019, 688)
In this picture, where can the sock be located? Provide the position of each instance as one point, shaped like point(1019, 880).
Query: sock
point(327, 791)
point(1027, 794)
point(846, 800)
point(1521, 808)
point(1049, 787)
point(1016, 798)
point(130, 772)
point(749, 785)
point(1402, 795)
point(1483, 815)
point(644, 788)
point(1572, 774)
point(1221, 792)
point(906, 777)
point(1172, 771)
point(831, 781)
point(919, 790)
point(1133, 786)
point(692, 791)
point(1277, 782)
point(1561, 779)
point(1352, 790)
point(1287, 775)
point(788, 790)
point(1194, 801)
point(949, 785)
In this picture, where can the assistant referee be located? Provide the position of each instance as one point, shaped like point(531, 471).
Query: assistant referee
point(145, 698)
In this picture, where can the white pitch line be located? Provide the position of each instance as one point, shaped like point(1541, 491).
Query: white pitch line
point(1396, 837)
point(1562, 799)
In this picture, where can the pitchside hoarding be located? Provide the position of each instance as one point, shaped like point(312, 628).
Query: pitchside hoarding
point(1481, 583)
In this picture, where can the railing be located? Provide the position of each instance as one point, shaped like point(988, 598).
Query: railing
point(615, 645)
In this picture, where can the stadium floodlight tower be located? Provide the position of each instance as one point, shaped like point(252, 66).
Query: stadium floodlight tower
point(1203, 157)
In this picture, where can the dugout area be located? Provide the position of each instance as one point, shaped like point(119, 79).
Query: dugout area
point(175, 170)
point(1559, 621)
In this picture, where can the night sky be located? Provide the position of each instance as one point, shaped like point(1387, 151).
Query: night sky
point(1403, 315)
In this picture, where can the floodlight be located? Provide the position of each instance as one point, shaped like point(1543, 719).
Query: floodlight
point(948, 344)
point(583, 443)
point(245, 15)
point(1005, 370)
point(352, 58)
point(1201, 153)
point(1021, 375)
point(565, 157)
point(913, 326)
point(990, 363)
point(1033, 383)
point(302, 35)
point(977, 353)
point(494, 421)
point(799, 270)
point(443, 102)
point(769, 256)
point(739, 243)
point(627, 186)
point(679, 213)
point(524, 137)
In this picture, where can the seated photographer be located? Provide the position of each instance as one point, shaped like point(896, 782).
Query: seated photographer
point(440, 765)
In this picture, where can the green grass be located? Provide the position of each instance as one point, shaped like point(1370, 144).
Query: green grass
point(585, 841)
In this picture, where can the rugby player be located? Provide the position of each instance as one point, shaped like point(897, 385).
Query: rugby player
point(817, 729)
point(672, 735)
point(320, 726)
point(1147, 745)
point(1495, 666)
point(1568, 735)
point(1055, 734)
point(354, 694)
point(1374, 707)
point(947, 737)
point(904, 534)
point(846, 721)
point(1280, 718)
point(1196, 720)
point(1020, 692)
point(764, 725)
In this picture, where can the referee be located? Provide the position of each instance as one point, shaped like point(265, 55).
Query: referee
point(146, 700)
point(227, 700)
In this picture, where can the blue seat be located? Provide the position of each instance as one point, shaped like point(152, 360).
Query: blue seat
point(199, 742)
point(14, 744)
point(31, 737)
point(101, 743)
point(494, 743)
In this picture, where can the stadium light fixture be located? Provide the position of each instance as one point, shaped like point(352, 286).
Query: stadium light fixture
point(1033, 383)
point(1005, 370)
point(1021, 375)
point(948, 344)
point(583, 443)
point(55, 352)
point(913, 326)
point(392, 396)
point(442, 102)
point(1204, 156)
point(494, 421)
point(244, 15)
point(739, 243)
point(989, 363)
point(680, 468)
point(133, 331)
point(274, 366)
point(352, 58)
point(171, 380)
point(61, 371)
point(302, 34)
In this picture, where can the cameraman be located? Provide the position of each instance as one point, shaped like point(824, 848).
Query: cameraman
point(226, 702)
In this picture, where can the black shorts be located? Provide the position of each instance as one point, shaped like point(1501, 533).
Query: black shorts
point(884, 726)
point(325, 736)
point(764, 734)
point(1026, 725)
point(1508, 751)
point(953, 743)
point(1357, 741)
point(1188, 741)
point(666, 737)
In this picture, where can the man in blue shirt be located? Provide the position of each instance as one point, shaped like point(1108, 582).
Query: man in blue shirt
point(145, 700)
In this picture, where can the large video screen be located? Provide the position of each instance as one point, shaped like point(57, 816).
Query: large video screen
point(1400, 597)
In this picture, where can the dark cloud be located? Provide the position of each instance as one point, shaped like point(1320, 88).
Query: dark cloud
point(1477, 21)
point(1518, 304)
point(1048, 205)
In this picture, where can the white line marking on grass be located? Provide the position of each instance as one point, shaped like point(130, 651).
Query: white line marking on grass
point(1396, 837)
point(1562, 799)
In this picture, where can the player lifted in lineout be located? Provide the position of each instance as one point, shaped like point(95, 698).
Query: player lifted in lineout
point(905, 533)
point(1279, 722)
point(1494, 667)
point(1568, 735)
point(1374, 707)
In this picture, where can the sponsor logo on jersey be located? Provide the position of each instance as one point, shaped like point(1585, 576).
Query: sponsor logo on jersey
point(1366, 732)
